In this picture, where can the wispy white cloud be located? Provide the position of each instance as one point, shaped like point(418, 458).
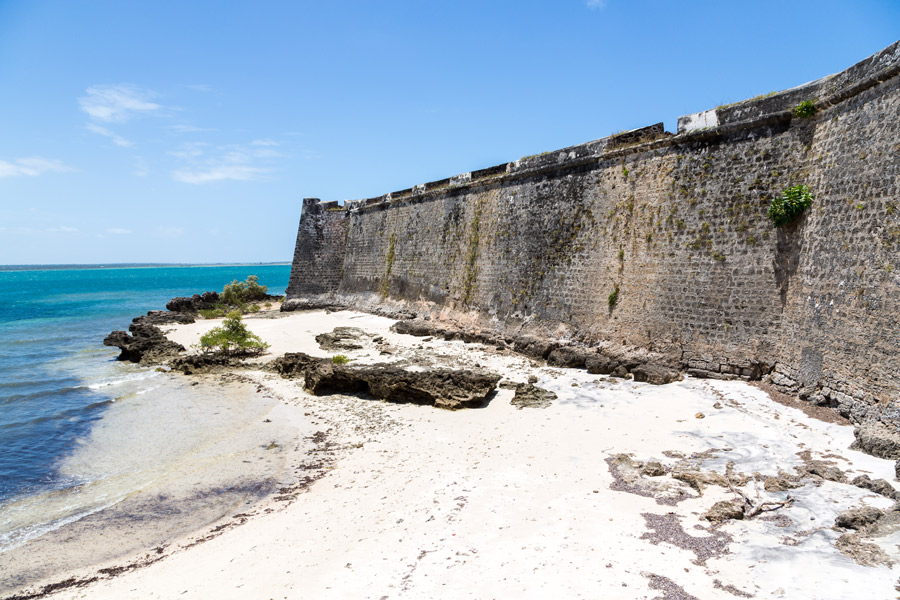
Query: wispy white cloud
point(169, 231)
point(596, 4)
point(181, 128)
point(117, 139)
point(31, 167)
point(117, 103)
point(200, 87)
point(234, 162)
point(220, 173)
point(118, 231)
point(62, 229)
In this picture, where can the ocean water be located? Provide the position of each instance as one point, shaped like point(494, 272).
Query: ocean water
point(82, 433)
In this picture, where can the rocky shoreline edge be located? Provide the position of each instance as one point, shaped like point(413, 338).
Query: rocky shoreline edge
point(665, 481)
point(146, 344)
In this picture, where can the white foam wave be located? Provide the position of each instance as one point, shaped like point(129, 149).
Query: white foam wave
point(115, 381)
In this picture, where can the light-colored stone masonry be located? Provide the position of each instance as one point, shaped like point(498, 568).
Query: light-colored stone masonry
point(677, 224)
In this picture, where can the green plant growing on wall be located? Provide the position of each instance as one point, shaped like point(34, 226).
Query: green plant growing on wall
point(232, 338)
point(805, 109)
point(613, 297)
point(784, 209)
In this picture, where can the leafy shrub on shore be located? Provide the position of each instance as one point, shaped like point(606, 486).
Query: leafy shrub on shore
point(242, 296)
point(232, 338)
point(339, 359)
point(784, 209)
point(238, 293)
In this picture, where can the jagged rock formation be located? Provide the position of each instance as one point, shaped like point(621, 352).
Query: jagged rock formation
point(145, 344)
point(193, 304)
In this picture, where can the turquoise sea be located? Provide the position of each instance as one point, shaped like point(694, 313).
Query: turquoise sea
point(81, 433)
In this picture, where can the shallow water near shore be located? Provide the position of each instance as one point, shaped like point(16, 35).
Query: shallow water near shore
point(90, 446)
point(163, 462)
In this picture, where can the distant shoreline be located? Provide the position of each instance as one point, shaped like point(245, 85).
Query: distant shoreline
point(134, 266)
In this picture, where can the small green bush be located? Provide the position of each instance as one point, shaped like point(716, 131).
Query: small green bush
point(784, 209)
point(232, 338)
point(238, 293)
point(339, 359)
point(613, 297)
point(805, 109)
point(211, 313)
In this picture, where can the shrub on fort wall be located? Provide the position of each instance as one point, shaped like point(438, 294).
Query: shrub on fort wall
point(784, 209)
point(805, 109)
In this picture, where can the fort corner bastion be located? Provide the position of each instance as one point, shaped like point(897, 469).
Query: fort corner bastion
point(661, 242)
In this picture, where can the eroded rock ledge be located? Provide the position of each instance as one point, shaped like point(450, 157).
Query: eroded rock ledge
point(440, 387)
point(642, 366)
point(145, 344)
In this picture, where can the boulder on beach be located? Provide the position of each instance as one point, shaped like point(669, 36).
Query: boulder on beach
point(418, 328)
point(535, 347)
point(879, 486)
point(293, 364)
point(165, 317)
point(877, 439)
point(655, 374)
point(571, 357)
point(343, 338)
point(529, 395)
point(725, 510)
point(193, 304)
point(314, 303)
point(600, 364)
point(192, 364)
point(858, 518)
point(440, 387)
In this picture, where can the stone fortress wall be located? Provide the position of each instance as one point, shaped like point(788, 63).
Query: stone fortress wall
point(674, 226)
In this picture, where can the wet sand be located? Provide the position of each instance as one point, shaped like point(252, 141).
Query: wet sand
point(568, 501)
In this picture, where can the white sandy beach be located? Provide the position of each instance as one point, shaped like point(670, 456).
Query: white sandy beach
point(502, 502)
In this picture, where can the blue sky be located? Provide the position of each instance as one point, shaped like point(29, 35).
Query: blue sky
point(173, 131)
